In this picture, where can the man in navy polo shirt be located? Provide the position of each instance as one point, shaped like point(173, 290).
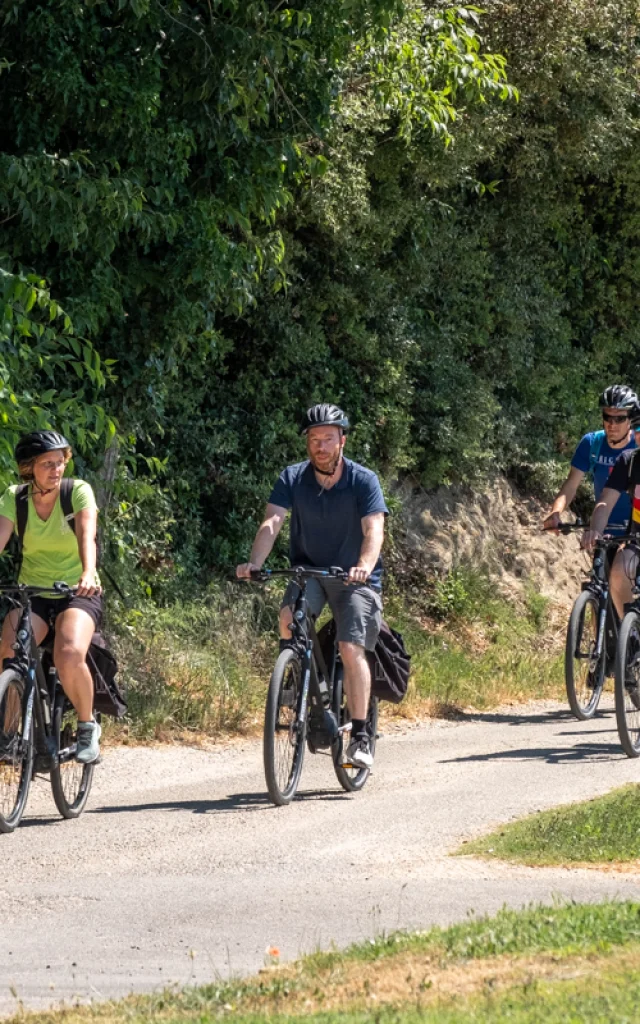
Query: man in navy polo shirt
point(337, 518)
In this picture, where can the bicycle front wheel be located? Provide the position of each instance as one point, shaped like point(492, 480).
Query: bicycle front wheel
point(583, 670)
point(284, 734)
point(627, 684)
point(16, 751)
point(350, 777)
point(70, 781)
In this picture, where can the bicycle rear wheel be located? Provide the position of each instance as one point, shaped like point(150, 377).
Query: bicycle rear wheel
point(16, 751)
point(70, 781)
point(284, 734)
point(583, 670)
point(627, 684)
point(351, 778)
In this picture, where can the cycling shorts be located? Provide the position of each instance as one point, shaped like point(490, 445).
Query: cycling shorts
point(357, 608)
point(48, 608)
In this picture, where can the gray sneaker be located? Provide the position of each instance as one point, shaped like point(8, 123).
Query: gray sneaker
point(359, 753)
point(88, 746)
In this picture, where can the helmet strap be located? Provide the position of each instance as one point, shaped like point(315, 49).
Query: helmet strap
point(40, 490)
point(327, 473)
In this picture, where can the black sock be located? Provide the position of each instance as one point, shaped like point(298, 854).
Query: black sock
point(358, 729)
point(285, 645)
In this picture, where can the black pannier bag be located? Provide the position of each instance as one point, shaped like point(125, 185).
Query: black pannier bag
point(107, 698)
point(389, 662)
point(390, 666)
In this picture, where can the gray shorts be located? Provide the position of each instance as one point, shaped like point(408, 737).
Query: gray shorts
point(356, 609)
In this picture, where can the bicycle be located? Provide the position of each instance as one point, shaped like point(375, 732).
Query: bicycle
point(627, 673)
point(306, 707)
point(592, 631)
point(38, 724)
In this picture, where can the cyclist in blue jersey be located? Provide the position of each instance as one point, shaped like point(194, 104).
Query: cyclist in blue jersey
point(597, 454)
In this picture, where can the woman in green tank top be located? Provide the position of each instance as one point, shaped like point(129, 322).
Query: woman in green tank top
point(52, 551)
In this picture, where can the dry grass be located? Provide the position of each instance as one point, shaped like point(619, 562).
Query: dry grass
point(404, 980)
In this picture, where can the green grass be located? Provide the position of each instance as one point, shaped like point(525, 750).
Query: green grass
point(493, 654)
point(601, 942)
point(198, 666)
point(602, 830)
point(565, 929)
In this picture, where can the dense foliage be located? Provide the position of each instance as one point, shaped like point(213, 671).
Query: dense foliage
point(251, 207)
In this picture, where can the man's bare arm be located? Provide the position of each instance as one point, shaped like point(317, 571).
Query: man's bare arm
point(264, 540)
point(373, 530)
point(563, 498)
point(600, 518)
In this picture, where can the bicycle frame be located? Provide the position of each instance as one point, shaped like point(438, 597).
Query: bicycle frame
point(305, 638)
point(598, 583)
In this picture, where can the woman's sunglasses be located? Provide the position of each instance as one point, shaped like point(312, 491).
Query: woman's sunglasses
point(613, 419)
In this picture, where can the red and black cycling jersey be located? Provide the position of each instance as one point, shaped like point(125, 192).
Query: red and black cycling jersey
point(625, 477)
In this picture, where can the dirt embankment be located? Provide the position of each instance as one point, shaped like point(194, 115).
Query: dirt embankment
point(498, 530)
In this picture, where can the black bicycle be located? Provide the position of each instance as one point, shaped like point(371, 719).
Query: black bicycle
point(627, 673)
point(306, 705)
point(38, 724)
point(592, 633)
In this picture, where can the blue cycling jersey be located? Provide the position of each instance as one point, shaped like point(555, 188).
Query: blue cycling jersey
point(606, 460)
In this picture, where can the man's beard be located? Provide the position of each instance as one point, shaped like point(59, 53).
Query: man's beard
point(326, 472)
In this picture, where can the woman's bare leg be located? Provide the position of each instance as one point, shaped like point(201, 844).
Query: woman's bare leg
point(74, 631)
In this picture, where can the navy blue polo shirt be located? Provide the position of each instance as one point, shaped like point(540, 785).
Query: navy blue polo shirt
point(326, 527)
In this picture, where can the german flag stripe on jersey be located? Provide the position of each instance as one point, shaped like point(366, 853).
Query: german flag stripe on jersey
point(635, 512)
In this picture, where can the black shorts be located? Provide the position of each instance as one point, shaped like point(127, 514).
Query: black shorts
point(48, 608)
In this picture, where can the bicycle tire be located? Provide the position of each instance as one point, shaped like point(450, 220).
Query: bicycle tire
point(627, 684)
point(16, 762)
point(284, 738)
point(584, 676)
point(70, 781)
point(351, 779)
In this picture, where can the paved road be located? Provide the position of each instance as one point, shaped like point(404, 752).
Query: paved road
point(180, 870)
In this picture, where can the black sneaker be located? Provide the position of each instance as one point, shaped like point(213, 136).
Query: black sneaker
point(359, 752)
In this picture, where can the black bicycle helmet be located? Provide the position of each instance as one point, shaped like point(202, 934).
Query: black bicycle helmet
point(37, 443)
point(325, 415)
point(618, 396)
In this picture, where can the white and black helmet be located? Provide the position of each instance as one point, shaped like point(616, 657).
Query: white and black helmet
point(618, 396)
point(325, 415)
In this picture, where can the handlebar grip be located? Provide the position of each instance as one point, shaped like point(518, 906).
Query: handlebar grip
point(63, 588)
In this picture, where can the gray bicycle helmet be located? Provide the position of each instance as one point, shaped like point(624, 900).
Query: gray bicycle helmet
point(37, 443)
point(325, 415)
point(618, 396)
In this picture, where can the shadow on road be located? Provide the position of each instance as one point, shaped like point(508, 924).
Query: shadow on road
point(232, 802)
point(563, 755)
point(544, 718)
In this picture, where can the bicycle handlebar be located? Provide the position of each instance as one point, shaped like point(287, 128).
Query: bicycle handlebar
point(299, 572)
point(59, 589)
point(567, 528)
